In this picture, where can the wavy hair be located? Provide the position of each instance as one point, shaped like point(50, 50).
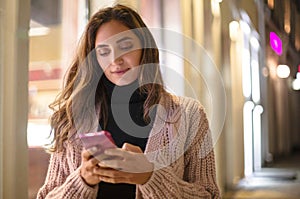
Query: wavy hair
point(82, 101)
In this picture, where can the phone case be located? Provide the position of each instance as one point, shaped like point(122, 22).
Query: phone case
point(97, 142)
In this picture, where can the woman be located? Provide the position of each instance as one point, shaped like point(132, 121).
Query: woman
point(115, 84)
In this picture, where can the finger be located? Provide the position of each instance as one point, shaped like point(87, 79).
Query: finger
point(89, 177)
point(107, 157)
point(91, 163)
point(94, 161)
point(115, 164)
point(102, 165)
point(86, 155)
point(132, 148)
point(92, 150)
point(109, 172)
point(114, 180)
point(89, 166)
point(116, 152)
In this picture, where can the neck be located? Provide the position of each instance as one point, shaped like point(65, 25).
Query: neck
point(123, 94)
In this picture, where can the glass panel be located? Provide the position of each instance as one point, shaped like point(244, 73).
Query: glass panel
point(44, 67)
point(54, 30)
point(45, 72)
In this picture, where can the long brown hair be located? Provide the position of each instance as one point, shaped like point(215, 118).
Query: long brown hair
point(83, 97)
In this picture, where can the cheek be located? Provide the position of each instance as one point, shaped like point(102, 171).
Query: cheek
point(136, 72)
point(104, 63)
point(136, 57)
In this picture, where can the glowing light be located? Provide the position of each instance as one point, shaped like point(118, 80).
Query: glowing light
point(271, 4)
point(296, 82)
point(255, 81)
point(37, 29)
point(40, 31)
point(246, 71)
point(254, 43)
point(248, 139)
point(287, 17)
point(265, 72)
point(245, 27)
point(215, 8)
point(275, 43)
point(283, 71)
point(234, 30)
point(38, 134)
point(257, 111)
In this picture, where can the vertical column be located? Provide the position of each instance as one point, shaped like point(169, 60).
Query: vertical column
point(172, 23)
point(192, 27)
point(263, 85)
point(217, 46)
point(14, 97)
point(151, 13)
point(234, 139)
point(1, 94)
point(216, 30)
point(69, 31)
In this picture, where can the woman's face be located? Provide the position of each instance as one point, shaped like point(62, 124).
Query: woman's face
point(118, 52)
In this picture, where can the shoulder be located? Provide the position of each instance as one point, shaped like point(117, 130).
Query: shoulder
point(185, 107)
point(190, 105)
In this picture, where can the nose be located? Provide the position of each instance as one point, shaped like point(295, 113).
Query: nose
point(117, 58)
point(117, 61)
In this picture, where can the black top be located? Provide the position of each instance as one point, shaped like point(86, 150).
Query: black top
point(124, 126)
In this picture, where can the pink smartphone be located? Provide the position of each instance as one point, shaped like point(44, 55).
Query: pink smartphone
point(97, 142)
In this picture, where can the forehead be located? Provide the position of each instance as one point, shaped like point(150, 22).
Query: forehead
point(112, 31)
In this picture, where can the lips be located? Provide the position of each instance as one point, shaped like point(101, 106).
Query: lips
point(120, 72)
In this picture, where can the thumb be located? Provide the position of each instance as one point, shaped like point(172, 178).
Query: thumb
point(132, 148)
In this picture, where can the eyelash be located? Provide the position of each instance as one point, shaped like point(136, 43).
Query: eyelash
point(127, 46)
point(105, 54)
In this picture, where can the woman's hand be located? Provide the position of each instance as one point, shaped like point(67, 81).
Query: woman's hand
point(88, 165)
point(130, 166)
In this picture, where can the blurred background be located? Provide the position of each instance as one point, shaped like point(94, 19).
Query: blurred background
point(254, 45)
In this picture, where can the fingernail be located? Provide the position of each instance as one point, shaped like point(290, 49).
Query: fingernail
point(92, 149)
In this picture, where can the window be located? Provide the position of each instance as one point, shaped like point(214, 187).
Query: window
point(54, 29)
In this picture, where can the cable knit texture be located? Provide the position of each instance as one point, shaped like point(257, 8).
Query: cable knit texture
point(179, 145)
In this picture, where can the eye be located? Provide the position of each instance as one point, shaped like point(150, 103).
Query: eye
point(126, 45)
point(103, 51)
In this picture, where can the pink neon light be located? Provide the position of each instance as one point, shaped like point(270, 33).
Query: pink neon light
point(275, 43)
point(299, 68)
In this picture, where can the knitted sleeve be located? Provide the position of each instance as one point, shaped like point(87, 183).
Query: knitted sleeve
point(199, 180)
point(62, 182)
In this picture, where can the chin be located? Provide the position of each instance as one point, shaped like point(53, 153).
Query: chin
point(124, 82)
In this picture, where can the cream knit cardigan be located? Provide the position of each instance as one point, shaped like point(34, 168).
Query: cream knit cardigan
point(179, 145)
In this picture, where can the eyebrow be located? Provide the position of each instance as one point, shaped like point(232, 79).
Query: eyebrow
point(101, 45)
point(119, 41)
point(123, 39)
